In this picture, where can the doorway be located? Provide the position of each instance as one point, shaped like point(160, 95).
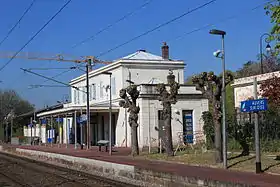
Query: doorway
point(188, 126)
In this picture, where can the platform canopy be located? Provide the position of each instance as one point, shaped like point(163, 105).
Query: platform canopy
point(102, 108)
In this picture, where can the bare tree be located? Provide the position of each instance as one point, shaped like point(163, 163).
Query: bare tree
point(211, 87)
point(133, 114)
point(167, 99)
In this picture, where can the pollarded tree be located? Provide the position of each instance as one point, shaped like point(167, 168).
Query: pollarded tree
point(133, 110)
point(168, 98)
point(211, 87)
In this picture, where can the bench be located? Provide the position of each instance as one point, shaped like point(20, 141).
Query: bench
point(101, 143)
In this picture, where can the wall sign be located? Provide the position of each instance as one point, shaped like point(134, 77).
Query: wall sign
point(254, 105)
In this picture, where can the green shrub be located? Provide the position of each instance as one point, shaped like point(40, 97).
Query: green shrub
point(208, 129)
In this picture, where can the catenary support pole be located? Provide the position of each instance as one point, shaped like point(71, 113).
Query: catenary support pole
point(66, 130)
point(75, 125)
point(149, 127)
point(81, 130)
point(110, 118)
point(35, 124)
point(88, 108)
point(51, 132)
point(31, 124)
point(257, 137)
point(224, 106)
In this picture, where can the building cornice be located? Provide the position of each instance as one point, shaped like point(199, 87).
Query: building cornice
point(130, 63)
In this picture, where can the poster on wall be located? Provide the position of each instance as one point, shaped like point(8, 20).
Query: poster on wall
point(188, 127)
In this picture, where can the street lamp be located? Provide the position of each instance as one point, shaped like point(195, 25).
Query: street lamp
point(217, 54)
point(110, 112)
point(268, 47)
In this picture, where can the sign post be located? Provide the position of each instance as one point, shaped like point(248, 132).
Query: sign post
point(83, 119)
point(255, 106)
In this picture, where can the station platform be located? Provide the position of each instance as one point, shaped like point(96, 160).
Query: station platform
point(122, 156)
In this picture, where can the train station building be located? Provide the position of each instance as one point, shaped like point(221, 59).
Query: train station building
point(145, 70)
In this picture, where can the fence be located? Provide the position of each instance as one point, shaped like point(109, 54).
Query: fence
point(269, 129)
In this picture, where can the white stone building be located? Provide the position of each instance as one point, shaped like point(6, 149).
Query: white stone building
point(244, 87)
point(145, 70)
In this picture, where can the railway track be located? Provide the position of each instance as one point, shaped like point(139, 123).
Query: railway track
point(18, 171)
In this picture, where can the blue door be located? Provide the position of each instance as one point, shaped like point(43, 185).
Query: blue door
point(188, 126)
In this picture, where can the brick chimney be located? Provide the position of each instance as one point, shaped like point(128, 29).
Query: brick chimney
point(165, 51)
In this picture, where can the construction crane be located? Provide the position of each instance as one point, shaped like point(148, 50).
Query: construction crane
point(59, 57)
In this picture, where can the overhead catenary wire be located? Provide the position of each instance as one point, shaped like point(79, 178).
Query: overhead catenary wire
point(44, 85)
point(51, 68)
point(221, 21)
point(191, 32)
point(157, 27)
point(32, 38)
point(112, 24)
point(63, 72)
point(17, 23)
point(104, 29)
point(147, 32)
point(51, 79)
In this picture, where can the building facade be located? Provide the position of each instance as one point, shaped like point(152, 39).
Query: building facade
point(244, 87)
point(146, 71)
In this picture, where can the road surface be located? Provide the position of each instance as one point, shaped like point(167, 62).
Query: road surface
point(16, 171)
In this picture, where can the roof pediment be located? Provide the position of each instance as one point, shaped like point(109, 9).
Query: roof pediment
point(142, 55)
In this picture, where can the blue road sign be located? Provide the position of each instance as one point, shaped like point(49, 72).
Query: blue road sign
point(254, 105)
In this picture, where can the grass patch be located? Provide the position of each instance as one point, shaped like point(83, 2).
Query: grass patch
point(235, 162)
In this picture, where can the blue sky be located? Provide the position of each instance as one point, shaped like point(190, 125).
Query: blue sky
point(82, 19)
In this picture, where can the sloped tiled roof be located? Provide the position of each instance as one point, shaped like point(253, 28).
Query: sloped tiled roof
point(142, 55)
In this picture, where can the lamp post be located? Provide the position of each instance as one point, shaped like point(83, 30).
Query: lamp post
point(223, 33)
point(110, 112)
point(268, 47)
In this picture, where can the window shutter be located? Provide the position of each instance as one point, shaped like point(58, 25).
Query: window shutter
point(93, 92)
point(84, 94)
point(78, 96)
point(101, 89)
point(113, 84)
point(75, 96)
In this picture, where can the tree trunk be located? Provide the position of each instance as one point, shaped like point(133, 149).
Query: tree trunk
point(218, 142)
point(134, 141)
point(218, 137)
point(168, 145)
point(167, 140)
